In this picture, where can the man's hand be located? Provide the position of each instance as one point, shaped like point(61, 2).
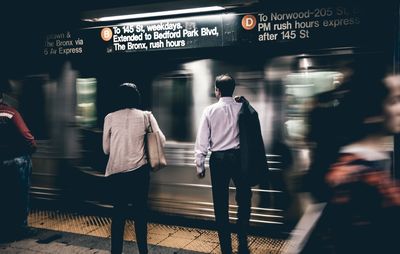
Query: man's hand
point(202, 174)
point(239, 99)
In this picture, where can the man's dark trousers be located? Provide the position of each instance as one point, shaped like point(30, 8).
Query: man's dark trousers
point(224, 166)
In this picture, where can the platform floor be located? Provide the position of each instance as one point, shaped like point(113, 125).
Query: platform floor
point(78, 233)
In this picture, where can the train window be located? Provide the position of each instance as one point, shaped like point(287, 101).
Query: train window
point(300, 89)
point(86, 101)
point(173, 105)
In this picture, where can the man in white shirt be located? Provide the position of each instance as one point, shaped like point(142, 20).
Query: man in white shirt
point(219, 133)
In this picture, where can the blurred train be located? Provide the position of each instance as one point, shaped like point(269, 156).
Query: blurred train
point(65, 105)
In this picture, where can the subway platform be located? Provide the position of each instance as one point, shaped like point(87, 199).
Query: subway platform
point(62, 232)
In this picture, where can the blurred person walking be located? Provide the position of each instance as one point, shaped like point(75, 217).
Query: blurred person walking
point(230, 129)
point(16, 146)
point(363, 199)
point(128, 169)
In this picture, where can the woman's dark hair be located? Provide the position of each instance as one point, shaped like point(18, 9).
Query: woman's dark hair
point(128, 96)
point(226, 84)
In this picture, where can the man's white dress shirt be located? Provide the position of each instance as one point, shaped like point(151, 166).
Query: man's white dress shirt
point(218, 130)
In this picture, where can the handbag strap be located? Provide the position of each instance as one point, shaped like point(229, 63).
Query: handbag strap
point(149, 129)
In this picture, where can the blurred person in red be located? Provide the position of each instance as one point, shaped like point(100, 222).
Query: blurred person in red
point(365, 199)
point(16, 146)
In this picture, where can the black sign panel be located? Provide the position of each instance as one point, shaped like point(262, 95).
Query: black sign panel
point(323, 26)
point(183, 33)
point(326, 26)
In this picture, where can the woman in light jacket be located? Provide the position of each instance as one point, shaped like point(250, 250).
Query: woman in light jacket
point(128, 168)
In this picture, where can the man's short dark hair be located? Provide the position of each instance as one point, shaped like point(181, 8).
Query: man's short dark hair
point(226, 84)
point(128, 96)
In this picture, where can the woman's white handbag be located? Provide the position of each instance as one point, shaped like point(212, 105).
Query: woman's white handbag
point(154, 148)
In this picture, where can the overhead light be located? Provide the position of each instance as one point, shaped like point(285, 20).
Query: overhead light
point(155, 14)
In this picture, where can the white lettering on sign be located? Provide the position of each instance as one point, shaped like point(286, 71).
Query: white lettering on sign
point(164, 35)
point(303, 24)
point(205, 31)
point(63, 44)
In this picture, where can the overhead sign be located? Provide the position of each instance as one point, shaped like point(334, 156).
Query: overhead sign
point(163, 34)
point(304, 24)
point(324, 26)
